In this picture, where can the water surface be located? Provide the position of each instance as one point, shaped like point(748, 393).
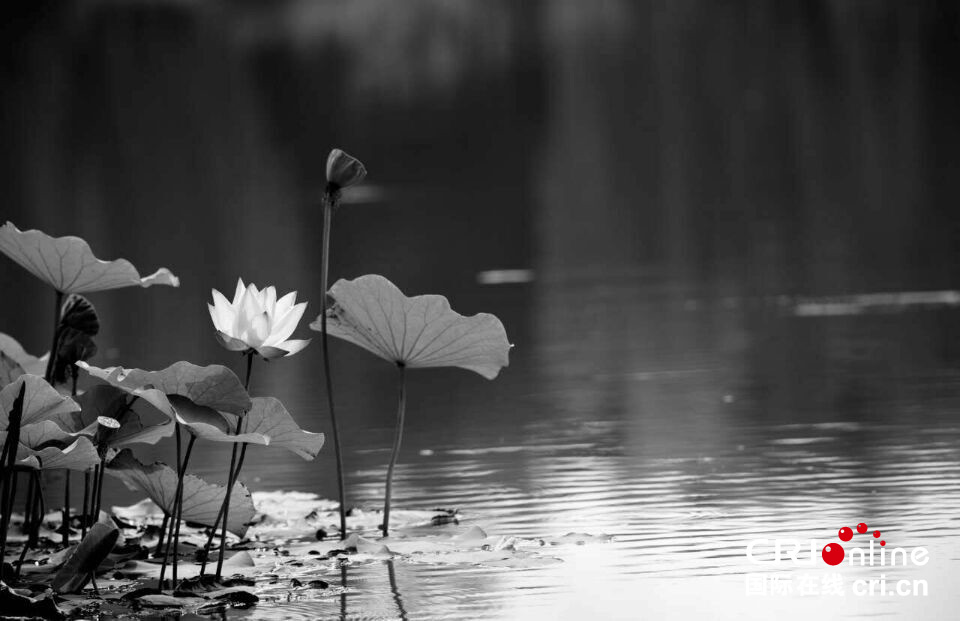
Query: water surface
point(698, 196)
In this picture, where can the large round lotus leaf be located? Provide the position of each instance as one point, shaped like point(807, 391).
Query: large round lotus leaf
point(67, 264)
point(417, 332)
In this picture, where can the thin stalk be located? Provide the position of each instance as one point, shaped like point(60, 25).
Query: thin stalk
point(176, 495)
point(86, 504)
point(216, 524)
point(66, 480)
point(35, 506)
point(397, 438)
point(28, 506)
point(232, 477)
point(41, 506)
point(329, 202)
point(66, 508)
point(90, 519)
point(163, 532)
point(58, 303)
point(96, 507)
point(225, 509)
point(10, 454)
point(179, 515)
point(6, 520)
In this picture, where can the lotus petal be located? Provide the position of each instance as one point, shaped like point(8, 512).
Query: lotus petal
point(201, 500)
point(68, 265)
point(270, 420)
point(41, 401)
point(417, 332)
point(213, 386)
point(13, 350)
point(257, 320)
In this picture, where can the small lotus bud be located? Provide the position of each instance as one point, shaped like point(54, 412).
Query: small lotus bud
point(344, 170)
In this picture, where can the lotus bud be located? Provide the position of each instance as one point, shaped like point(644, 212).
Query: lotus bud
point(343, 170)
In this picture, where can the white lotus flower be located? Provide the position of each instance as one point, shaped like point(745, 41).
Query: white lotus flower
point(257, 320)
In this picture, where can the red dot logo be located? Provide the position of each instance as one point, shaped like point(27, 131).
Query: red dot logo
point(832, 554)
point(876, 534)
point(861, 528)
point(846, 534)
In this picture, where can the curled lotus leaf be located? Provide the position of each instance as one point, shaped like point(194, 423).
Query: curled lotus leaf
point(68, 265)
point(44, 433)
point(41, 401)
point(117, 419)
point(210, 424)
point(45, 446)
point(73, 346)
point(86, 558)
point(9, 369)
point(416, 332)
point(270, 420)
point(81, 455)
point(214, 386)
point(14, 351)
point(78, 313)
point(201, 500)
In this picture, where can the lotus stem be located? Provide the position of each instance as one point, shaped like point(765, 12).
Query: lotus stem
point(329, 203)
point(232, 476)
point(179, 514)
point(163, 532)
point(216, 524)
point(101, 470)
point(74, 372)
point(58, 303)
point(86, 504)
point(176, 497)
point(35, 506)
point(66, 508)
point(225, 509)
point(6, 519)
point(9, 489)
point(397, 438)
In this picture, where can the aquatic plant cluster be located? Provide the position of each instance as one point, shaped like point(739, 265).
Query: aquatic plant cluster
point(47, 423)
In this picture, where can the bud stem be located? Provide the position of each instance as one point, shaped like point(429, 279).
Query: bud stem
point(329, 204)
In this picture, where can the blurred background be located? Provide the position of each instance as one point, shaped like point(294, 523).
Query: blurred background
point(722, 237)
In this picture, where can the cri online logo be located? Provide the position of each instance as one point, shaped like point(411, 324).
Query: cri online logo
point(798, 552)
point(833, 552)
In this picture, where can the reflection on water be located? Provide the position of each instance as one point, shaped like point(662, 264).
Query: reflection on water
point(694, 218)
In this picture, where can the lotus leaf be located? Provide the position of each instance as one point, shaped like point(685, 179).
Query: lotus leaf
point(270, 420)
point(416, 332)
point(201, 500)
point(68, 265)
point(213, 386)
point(41, 401)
